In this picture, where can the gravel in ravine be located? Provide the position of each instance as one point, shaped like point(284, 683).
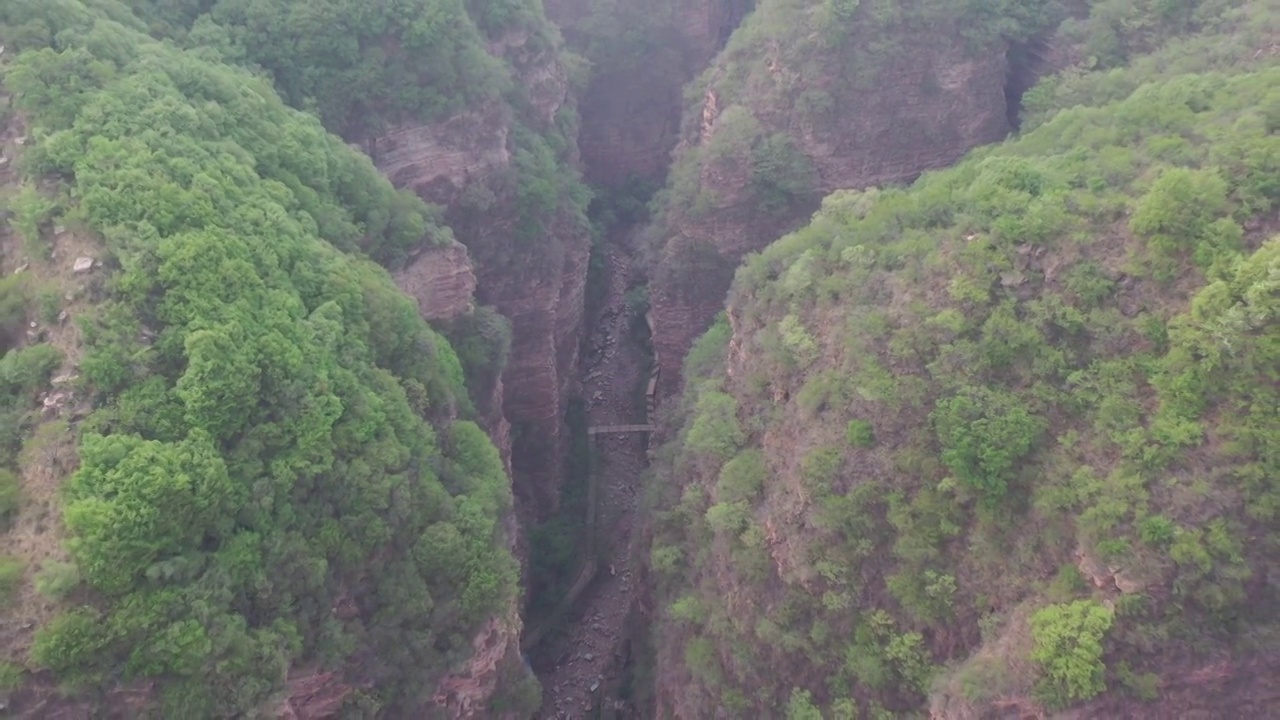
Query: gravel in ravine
point(586, 657)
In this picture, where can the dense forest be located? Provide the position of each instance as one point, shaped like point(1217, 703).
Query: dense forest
point(281, 466)
point(1006, 435)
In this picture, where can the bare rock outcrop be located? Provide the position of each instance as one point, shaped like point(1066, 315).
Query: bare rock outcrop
point(441, 280)
point(543, 299)
point(315, 696)
point(438, 161)
point(466, 693)
point(848, 116)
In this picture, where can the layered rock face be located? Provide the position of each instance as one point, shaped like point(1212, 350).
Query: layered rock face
point(468, 164)
point(544, 302)
point(792, 109)
point(439, 161)
point(442, 280)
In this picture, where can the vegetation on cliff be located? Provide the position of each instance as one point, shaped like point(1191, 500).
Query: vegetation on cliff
point(792, 67)
point(367, 68)
point(359, 66)
point(1009, 434)
point(280, 470)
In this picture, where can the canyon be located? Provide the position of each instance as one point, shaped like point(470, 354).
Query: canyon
point(789, 359)
point(923, 106)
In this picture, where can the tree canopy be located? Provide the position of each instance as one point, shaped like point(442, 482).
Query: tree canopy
point(274, 420)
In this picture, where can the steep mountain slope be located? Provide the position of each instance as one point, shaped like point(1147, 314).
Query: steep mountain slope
point(1005, 440)
point(468, 105)
point(809, 97)
point(281, 504)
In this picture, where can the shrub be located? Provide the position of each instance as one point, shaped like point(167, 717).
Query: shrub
point(23, 372)
point(984, 433)
point(801, 348)
point(801, 707)
point(13, 309)
point(743, 477)
point(727, 517)
point(715, 429)
point(1068, 647)
point(1179, 208)
point(780, 173)
point(10, 676)
point(860, 434)
point(637, 300)
point(10, 576)
point(708, 350)
point(57, 578)
point(1157, 530)
point(30, 211)
point(10, 495)
point(665, 559)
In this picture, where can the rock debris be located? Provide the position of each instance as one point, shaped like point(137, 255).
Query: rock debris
point(590, 648)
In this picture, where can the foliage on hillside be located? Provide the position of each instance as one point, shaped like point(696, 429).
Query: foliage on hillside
point(1009, 432)
point(791, 82)
point(783, 53)
point(364, 68)
point(359, 65)
point(364, 65)
point(277, 472)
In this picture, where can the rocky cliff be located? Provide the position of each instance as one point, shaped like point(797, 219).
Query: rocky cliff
point(443, 281)
point(803, 100)
point(530, 263)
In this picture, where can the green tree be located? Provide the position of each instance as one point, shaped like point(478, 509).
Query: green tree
point(135, 502)
point(984, 434)
point(715, 429)
point(1068, 647)
point(1178, 210)
point(800, 706)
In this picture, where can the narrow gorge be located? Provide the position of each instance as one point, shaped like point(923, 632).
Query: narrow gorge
point(636, 123)
point(785, 113)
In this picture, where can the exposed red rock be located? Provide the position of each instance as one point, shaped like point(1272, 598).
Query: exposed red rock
point(315, 696)
point(466, 694)
point(469, 156)
point(441, 280)
point(438, 161)
point(544, 303)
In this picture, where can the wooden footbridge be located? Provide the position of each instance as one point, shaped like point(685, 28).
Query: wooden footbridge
point(610, 429)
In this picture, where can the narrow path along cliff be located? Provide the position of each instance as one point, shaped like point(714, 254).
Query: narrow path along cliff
point(578, 660)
